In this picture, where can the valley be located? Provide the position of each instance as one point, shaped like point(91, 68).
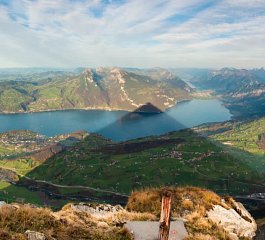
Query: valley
point(241, 90)
point(36, 90)
point(93, 168)
point(152, 142)
point(124, 120)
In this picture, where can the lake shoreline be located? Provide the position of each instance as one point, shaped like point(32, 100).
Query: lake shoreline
point(90, 109)
point(118, 125)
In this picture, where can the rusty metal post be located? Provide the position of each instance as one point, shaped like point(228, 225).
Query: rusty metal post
point(165, 215)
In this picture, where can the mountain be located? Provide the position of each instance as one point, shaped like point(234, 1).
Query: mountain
point(232, 82)
point(242, 91)
point(191, 74)
point(260, 73)
point(15, 96)
point(34, 74)
point(101, 88)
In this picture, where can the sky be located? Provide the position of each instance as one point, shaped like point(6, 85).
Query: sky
point(132, 33)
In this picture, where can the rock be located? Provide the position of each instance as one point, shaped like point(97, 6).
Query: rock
point(35, 235)
point(98, 210)
point(236, 221)
point(102, 225)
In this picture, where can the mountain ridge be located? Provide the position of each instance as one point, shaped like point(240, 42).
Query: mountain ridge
point(100, 88)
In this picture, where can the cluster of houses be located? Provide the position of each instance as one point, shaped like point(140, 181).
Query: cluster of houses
point(28, 142)
point(24, 140)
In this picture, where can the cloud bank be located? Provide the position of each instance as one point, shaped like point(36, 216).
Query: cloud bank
point(132, 33)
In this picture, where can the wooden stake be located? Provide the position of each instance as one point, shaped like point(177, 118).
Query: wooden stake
point(165, 215)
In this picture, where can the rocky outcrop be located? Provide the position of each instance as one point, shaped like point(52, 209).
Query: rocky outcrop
point(73, 222)
point(97, 210)
point(35, 235)
point(236, 221)
point(206, 214)
point(104, 216)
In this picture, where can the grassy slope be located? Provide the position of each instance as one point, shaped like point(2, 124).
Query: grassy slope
point(14, 95)
point(197, 161)
point(121, 167)
point(241, 140)
point(245, 136)
point(68, 91)
point(13, 147)
point(12, 193)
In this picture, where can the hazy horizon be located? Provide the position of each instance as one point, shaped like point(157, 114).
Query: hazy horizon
point(132, 33)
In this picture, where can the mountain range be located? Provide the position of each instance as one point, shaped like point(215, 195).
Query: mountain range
point(101, 88)
point(112, 88)
point(241, 90)
point(233, 82)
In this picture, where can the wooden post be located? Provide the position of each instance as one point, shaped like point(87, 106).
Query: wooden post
point(165, 215)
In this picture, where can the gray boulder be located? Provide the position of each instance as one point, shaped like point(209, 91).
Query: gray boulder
point(35, 235)
point(236, 221)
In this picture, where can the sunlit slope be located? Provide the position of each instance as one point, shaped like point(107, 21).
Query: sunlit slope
point(101, 88)
point(243, 140)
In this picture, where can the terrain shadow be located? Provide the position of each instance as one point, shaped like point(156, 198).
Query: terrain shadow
point(101, 170)
point(146, 120)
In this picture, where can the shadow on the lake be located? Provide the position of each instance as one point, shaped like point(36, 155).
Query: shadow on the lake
point(146, 120)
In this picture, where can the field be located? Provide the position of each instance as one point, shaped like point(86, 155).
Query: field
point(242, 140)
point(12, 193)
point(245, 136)
point(226, 158)
point(189, 160)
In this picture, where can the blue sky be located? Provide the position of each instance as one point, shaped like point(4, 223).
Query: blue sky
point(132, 33)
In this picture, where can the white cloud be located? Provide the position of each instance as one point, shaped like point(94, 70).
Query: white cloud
point(136, 33)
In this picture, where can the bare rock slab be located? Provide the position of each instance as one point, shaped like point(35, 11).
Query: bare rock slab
point(147, 230)
point(237, 222)
point(35, 235)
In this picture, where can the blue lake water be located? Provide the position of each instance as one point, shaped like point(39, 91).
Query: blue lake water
point(118, 125)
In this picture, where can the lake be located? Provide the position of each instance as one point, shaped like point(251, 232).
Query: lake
point(118, 125)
